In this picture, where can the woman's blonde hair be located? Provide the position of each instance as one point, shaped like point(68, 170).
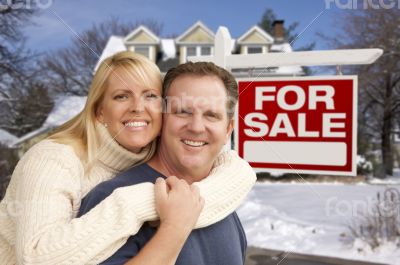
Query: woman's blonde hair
point(80, 132)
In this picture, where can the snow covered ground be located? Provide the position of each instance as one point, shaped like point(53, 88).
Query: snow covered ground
point(311, 218)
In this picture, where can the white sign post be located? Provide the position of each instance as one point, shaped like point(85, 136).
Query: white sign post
point(283, 159)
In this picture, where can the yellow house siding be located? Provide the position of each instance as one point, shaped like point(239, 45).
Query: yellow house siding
point(199, 36)
point(141, 37)
point(255, 37)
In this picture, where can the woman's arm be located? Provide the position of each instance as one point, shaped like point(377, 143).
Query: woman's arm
point(48, 192)
point(225, 188)
point(47, 197)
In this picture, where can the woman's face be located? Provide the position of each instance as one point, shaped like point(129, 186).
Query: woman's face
point(131, 111)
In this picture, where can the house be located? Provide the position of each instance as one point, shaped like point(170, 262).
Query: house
point(64, 109)
point(198, 40)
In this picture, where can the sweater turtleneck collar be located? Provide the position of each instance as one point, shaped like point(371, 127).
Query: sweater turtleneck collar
point(114, 155)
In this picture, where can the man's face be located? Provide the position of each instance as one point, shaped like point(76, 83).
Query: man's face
point(196, 125)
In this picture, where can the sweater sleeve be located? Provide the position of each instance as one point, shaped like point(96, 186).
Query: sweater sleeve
point(47, 195)
point(225, 188)
point(48, 190)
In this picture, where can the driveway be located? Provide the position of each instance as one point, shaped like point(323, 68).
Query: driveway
point(259, 256)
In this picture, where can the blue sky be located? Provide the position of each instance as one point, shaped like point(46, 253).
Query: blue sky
point(47, 32)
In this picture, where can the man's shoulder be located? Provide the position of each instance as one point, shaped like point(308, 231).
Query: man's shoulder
point(135, 175)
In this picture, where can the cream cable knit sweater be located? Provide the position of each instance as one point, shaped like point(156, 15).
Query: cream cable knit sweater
point(37, 215)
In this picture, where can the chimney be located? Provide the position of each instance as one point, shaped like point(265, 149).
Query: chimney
point(279, 31)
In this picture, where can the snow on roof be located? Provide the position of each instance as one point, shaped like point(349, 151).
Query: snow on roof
point(7, 138)
point(169, 49)
point(287, 70)
point(65, 108)
point(114, 45)
point(283, 47)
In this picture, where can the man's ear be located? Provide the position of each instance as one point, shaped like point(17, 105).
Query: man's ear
point(229, 130)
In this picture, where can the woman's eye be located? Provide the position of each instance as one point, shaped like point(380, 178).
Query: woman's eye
point(120, 97)
point(151, 95)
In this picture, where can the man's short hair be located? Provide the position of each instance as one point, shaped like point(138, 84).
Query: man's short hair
point(205, 69)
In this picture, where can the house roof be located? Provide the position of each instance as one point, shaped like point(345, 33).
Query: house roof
point(200, 24)
point(65, 108)
point(140, 29)
point(169, 49)
point(114, 45)
point(286, 70)
point(283, 47)
point(259, 30)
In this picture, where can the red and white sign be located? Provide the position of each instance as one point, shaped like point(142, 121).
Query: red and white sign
point(299, 124)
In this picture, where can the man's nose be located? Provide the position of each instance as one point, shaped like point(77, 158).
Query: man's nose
point(196, 124)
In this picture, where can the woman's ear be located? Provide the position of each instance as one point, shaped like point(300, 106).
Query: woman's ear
point(99, 114)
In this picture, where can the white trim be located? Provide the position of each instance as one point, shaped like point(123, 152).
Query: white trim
point(136, 31)
point(256, 28)
point(200, 24)
point(307, 58)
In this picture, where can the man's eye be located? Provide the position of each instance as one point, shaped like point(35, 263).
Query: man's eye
point(183, 112)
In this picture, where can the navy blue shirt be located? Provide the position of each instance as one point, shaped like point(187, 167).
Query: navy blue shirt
point(223, 243)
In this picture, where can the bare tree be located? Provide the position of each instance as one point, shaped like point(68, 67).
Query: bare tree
point(19, 89)
point(12, 53)
point(379, 95)
point(70, 70)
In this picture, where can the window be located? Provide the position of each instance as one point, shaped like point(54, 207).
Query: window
point(191, 51)
point(205, 50)
point(143, 51)
point(254, 50)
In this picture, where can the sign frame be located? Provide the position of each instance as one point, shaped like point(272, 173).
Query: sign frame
point(353, 161)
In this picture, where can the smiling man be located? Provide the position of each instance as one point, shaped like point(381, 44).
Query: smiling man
point(200, 101)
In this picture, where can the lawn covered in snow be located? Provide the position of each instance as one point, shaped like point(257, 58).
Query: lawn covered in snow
point(311, 218)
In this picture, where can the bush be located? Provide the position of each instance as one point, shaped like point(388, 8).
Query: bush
point(364, 166)
point(381, 223)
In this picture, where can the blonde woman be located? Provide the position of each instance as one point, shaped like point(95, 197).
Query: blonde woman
point(38, 223)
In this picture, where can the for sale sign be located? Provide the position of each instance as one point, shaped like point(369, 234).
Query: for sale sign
point(299, 124)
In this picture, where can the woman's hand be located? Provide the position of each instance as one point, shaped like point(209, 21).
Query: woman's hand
point(177, 203)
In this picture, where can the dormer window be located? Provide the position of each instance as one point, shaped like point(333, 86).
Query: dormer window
point(206, 50)
point(198, 40)
point(251, 50)
point(198, 50)
point(143, 50)
point(191, 51)
point(143, 41)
